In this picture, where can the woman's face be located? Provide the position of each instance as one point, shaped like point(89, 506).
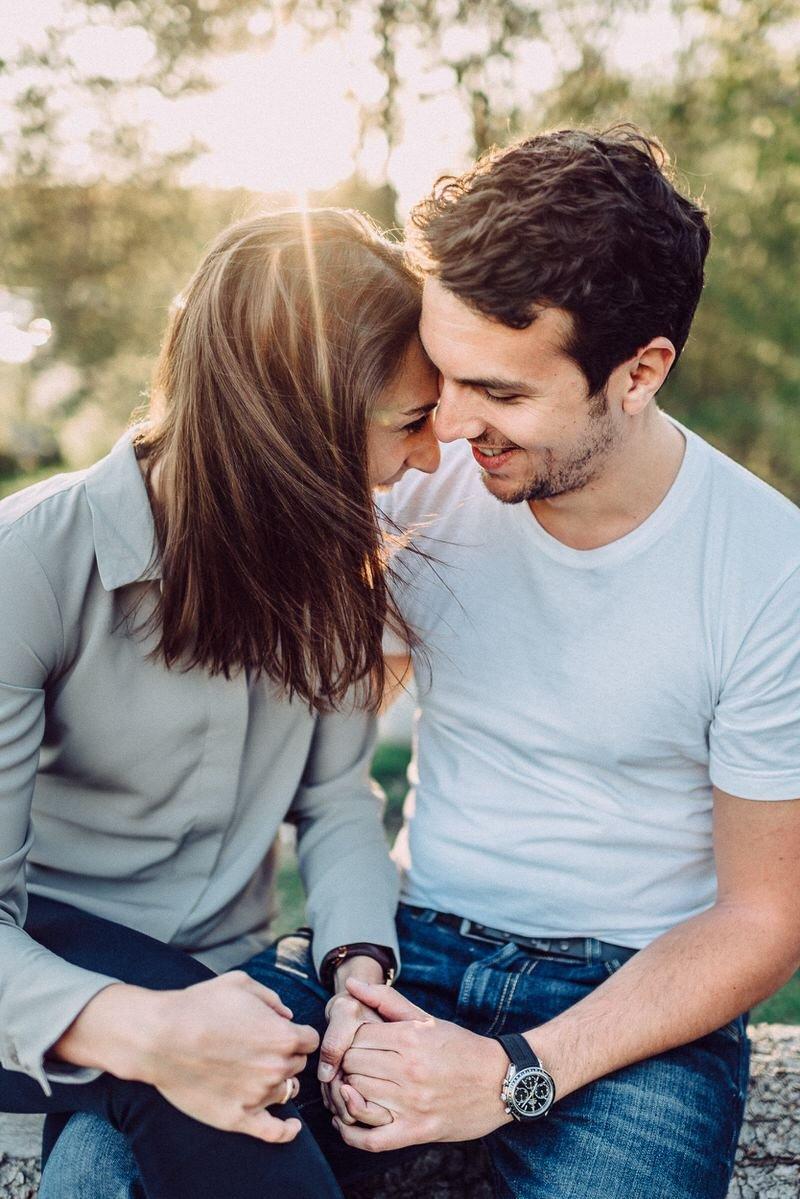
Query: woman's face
point(401, 430)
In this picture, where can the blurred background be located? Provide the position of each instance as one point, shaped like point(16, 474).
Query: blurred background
point(132, 130)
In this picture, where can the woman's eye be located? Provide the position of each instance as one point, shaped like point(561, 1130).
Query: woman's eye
point(417, 425)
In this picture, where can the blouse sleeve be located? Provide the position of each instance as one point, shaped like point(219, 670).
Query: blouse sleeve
point(40, 993)
point(350, 881)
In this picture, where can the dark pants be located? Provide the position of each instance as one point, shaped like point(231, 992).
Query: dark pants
point(177, 1157)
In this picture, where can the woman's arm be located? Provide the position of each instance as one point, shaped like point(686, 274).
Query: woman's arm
point(40, 994)
point(219, 1050)
point(351, 884)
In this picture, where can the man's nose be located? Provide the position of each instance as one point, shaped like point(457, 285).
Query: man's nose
point(457, 414)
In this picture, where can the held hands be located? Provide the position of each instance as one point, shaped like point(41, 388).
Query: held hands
point(223, 1050)
point(345, 1015)
point(436, 1081)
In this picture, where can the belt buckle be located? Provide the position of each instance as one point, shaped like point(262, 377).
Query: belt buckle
point(465, 929)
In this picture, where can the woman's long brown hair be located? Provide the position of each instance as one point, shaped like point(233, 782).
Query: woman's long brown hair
point(271, 554)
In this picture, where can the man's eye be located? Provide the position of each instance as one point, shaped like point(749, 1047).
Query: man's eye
point(503, 399)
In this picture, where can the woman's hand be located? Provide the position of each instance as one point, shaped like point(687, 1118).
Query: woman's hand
point(221, 1051)
point(345, 1015)
point(224, 1052)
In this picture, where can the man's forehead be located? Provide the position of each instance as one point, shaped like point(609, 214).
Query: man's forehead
point(452, 330)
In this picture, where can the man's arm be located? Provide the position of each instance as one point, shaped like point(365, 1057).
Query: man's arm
point(705, 971)
point(686, 983)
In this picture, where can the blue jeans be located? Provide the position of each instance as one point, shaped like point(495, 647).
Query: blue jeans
point(176, 1157)
point(665, 1128)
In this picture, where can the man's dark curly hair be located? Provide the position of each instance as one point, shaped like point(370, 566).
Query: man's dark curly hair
point(585, 221)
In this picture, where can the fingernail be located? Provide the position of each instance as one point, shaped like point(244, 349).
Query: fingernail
point(325, 1073)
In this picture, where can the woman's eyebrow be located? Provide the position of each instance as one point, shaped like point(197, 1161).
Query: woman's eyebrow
point(420, 409)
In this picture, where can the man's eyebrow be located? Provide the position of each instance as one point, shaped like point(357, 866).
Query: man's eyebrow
point(494, 384)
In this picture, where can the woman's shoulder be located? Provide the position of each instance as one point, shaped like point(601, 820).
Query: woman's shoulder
point(48, 519)
point(46, 551)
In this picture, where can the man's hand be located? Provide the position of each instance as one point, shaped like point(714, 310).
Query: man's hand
point(221, 1051)
point(439, 1082)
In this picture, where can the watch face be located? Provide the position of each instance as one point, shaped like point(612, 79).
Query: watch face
point(530, 1093)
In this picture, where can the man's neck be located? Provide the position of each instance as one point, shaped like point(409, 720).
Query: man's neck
point(632, 484)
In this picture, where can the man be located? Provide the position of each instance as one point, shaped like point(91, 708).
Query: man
point(614, 694)
point(599, 857)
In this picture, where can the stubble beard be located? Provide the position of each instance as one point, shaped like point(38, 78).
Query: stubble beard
point(581, 467)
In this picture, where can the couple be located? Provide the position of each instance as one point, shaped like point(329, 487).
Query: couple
point(598, 860)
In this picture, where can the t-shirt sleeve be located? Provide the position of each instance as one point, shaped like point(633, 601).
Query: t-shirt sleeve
point(754, 740)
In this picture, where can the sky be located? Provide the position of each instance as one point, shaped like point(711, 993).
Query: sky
point(287, 118)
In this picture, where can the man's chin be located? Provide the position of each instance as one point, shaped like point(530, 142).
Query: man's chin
point(508, 491)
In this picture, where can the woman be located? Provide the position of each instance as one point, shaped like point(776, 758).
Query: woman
point(190, 645)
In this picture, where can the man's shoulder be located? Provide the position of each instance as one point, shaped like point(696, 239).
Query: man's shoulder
point(759, 522)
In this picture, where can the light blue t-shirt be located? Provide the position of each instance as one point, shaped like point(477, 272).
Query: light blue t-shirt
point(577, 705)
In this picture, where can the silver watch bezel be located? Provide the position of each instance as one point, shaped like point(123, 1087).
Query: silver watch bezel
point(512, 1078)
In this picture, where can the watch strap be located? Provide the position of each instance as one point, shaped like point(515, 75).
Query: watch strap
point(335, 958)
point(518, 1050)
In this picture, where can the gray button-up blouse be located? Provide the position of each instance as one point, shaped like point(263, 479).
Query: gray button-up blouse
point(151, 796)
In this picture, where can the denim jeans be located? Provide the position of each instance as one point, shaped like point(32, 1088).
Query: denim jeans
point(176, 1157)
point(665, 1128)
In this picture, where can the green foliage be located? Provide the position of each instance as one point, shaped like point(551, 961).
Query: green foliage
point(782, 1008)
point(730, 118)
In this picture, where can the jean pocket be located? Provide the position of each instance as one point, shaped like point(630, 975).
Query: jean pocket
point(291, 954)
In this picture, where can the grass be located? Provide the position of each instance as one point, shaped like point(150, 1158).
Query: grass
point(11, 483)
point(389, 769)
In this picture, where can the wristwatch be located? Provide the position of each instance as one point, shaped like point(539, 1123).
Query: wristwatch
point(528, 1091)
point(335, 958)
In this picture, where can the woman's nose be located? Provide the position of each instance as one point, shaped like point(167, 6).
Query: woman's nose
point(426, 454)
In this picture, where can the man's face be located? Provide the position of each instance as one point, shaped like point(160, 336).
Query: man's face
point(517, 392)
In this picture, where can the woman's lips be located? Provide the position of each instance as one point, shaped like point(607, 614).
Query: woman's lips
point(492, 462)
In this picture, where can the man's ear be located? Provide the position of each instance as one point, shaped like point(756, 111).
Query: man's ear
point(645, 374)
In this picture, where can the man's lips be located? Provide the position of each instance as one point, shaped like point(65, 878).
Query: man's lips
point(495, 460)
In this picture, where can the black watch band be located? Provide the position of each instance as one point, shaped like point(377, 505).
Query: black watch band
point(518, 1050)
point(335, 958)
point(528, 1091)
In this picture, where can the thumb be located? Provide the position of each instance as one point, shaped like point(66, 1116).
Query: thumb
point(388, 1003)
point(339, 1035)
point(269, 1128)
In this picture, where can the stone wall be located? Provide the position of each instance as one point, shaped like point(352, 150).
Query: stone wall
point(767, 1165)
